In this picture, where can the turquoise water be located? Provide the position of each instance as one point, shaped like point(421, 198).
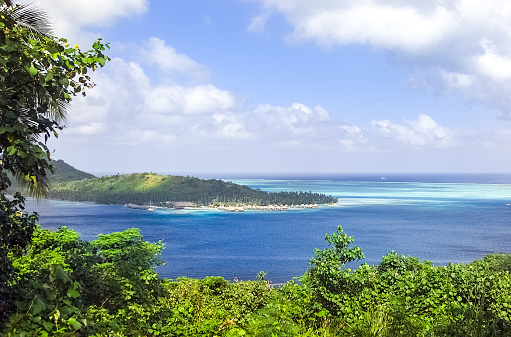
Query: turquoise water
point(438, 218)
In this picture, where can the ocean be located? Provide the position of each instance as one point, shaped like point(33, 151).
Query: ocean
point(439, 218)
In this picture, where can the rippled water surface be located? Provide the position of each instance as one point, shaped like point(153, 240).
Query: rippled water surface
point(439, 218)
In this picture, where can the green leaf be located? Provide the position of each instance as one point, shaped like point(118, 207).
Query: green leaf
point(49, 76)
point(73, 293)
point(39, 305)
point(11, 150)
point(64, 81)
point(50, 296)
point(101, 60)
point(66, 310)
point(74, 323)
point(321, 313)
point(59, 273)
point(32, 70)
point(48, 325)
point(4, 129)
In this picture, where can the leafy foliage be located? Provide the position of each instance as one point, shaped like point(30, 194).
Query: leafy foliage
point(38, 76)
point(108, 287)
point(125, 266)
point(16, 228)
point(326, 278)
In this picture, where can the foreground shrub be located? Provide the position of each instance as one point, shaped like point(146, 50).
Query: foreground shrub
point(68, 287)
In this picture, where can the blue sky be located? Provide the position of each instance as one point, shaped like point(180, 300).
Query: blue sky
point(291, 86)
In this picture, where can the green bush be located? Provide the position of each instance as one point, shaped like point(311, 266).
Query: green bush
point(68, 287)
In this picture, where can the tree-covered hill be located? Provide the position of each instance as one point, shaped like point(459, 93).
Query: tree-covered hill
point(63, 173)
point(150, 188)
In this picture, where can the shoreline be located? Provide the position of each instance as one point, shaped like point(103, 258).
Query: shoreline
point(237, 208)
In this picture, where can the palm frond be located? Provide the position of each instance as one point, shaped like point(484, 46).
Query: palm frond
point(57, 109)
point(38, 190)
point(33, 18)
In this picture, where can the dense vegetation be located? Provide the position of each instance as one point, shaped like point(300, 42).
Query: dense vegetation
point(39, 75)
point(150, 188)
point(64, 172)
point(68, 287)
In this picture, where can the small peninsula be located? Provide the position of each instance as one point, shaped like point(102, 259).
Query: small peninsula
point(142, 189)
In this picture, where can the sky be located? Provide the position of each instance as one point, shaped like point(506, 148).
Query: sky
point(291, 86)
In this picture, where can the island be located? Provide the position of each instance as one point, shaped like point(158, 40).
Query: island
point(152, 191)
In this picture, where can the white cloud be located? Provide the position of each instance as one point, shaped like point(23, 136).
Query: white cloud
point(493, 64)
point(69, 16)
point(230, 128)
point(458, 46)
point(91, 12)
point(457, 80)
point(205, 99)
point(384, 135)
point(296, 124)
point(128, 111)
point(194, 100)
point(257, 23)
point(89, 129)
point(126, 107)
point(376, 24)
point(389, 24)
point(423, 132)
point(156, 52)
point(138, 111)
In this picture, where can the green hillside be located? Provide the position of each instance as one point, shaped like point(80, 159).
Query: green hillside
point(63, 172)
point(150, 188)
point(66, 172)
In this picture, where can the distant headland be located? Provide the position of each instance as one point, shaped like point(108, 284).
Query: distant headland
point(152, 191)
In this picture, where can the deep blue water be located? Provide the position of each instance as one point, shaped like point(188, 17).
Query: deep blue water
point(453, 218)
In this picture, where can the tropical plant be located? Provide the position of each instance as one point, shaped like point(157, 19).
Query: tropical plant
point(39, 74)
point(327, 278)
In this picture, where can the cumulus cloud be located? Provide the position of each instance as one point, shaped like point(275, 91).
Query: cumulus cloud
point(384, 135)
point(156, 52)
point(137, 110)
point(459, 46)
point(194, 100)
point(68, 17)
point(295, 125)
point(419, 133)
point(128, 108)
